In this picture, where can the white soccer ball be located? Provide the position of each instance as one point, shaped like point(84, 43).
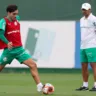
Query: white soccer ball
point(48, 89)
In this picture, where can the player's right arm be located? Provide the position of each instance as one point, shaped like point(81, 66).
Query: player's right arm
point(2, 31)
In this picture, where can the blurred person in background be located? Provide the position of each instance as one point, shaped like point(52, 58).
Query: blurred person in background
point(88, 45)
point(10, 41)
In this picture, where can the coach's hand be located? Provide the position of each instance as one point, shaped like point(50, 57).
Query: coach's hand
point(10, 45)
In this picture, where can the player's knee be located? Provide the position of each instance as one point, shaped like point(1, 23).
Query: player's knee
point(33, 65)
point(1, 68)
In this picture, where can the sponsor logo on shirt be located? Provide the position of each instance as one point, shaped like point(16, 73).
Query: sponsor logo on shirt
point(15, 31)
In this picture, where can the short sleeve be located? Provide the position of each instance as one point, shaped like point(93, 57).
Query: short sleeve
point(18, 17)
point(2, 24)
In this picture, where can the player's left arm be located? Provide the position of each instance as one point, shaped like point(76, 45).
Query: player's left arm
point(2, 31)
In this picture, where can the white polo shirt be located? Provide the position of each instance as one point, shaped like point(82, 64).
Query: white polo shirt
point(88, 32)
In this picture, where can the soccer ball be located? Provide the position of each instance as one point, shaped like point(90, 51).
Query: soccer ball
point(48, 89)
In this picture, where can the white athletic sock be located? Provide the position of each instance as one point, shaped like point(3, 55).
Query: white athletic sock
point(85, 84)
point(95, 84)
point(39, 87)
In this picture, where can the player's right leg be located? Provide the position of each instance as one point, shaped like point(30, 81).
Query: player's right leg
point(33, 68)
point(6, 58)
point(85, 74)
point(25, 58)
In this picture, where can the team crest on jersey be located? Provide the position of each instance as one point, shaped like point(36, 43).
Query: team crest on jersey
point(15, 23)
point(5, 59)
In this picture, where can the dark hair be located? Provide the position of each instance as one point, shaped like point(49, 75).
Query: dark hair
point(11, 8)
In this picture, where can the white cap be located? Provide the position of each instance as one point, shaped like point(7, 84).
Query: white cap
point(86, 6)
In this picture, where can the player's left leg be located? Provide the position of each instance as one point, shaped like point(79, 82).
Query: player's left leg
point(6, 58)
point(25, 58)
point(34, 72)
point(33, 68)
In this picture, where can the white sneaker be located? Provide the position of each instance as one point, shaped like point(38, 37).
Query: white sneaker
point(39, 87)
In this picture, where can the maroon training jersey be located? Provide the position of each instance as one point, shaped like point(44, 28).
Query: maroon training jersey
point(12, 34)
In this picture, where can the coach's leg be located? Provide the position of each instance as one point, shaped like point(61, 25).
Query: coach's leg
point(84, 64)
point(85, 76)
point(93, 65)
point(85, 73)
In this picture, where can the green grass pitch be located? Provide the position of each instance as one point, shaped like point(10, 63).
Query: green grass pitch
point(21, 84)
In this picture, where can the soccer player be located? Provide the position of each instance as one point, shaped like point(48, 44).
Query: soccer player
point(88, 45)
point(10, 41)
